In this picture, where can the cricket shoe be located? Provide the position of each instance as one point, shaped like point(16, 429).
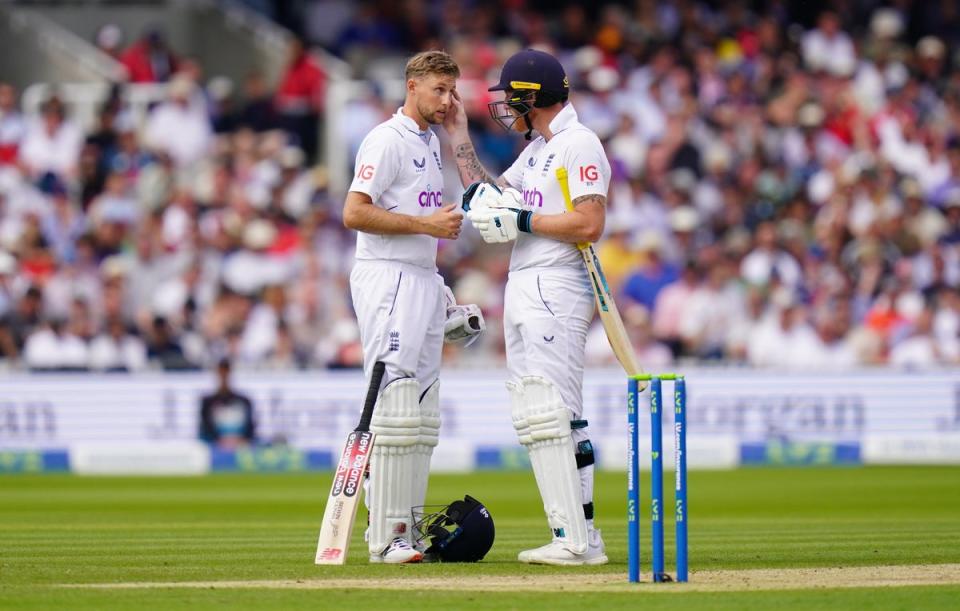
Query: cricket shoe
point(556, 553)
point(398, 552)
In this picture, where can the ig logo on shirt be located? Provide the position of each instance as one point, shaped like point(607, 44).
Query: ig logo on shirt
point(365, 172)
point(589, 174)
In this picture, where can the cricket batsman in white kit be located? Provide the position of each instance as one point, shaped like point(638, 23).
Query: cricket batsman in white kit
point(401, 302)
point(549, 302)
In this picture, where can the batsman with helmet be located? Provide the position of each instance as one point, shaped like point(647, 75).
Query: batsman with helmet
point(549, 302)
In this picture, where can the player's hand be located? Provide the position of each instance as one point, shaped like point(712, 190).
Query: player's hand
point(496, 225)
point(481, 195)
point(455, 121)
point(464, 324)
point(445, 223)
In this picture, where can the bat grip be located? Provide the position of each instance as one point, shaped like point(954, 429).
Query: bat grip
point(372, 392)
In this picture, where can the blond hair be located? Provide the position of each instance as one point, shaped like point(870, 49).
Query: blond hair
point(432, 62)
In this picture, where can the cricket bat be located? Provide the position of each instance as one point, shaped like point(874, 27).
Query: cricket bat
point(609, 315)
point(344, 496)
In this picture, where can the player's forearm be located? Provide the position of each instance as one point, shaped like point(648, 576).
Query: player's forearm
point(468, 163)
point(563, 228)
point(368, 218)
point(583, 224)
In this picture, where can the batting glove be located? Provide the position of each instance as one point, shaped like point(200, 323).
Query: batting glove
point(464, 325)
point(480, 195)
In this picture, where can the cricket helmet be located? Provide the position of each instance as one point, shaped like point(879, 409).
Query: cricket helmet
point(459, 532)
point(532, 79)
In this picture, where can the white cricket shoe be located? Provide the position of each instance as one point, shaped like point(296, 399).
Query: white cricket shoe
point(557, 554)
point(398, 552)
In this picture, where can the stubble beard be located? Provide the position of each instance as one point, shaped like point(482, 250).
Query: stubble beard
point(429, 116)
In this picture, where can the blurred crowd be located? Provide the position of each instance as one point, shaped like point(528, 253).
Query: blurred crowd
point(786, 189)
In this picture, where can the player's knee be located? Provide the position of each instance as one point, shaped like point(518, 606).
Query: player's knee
point(538, 411)
point(396, 419)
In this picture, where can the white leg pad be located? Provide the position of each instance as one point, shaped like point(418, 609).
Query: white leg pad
point(396, 422)
point(520, 423)
point(427, 441)
point(543, 426)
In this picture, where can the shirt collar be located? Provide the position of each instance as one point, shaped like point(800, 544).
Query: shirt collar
point(564, 119)
point(410, 125)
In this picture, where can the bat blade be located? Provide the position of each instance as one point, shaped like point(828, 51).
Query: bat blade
point(341, 510)
point(610, 315)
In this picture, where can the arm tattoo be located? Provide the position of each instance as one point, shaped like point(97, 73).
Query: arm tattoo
point(600, 199)
point(471, 170)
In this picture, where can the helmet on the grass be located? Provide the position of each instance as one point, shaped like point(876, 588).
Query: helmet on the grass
point(459, 532)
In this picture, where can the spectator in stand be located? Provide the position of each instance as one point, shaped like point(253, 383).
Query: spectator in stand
point(163, 348)
point(51, 144)
point(8, 270)
point(669, 305)
point(53, 347)
point(643, 285)
point(768, 262)
point(12, 125)
point(179, 127)
point(299, 99)
point(257, 112)
point(116, 349)
point(149, 60)
point(226, 416)
point(109, 39)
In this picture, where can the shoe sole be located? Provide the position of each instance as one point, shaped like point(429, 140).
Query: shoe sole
point(411, 560)
point(595, 561)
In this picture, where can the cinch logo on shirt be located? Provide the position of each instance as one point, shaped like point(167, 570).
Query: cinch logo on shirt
point(589, 173)
point(430, 199)
point(365, 172)
point(533, 198)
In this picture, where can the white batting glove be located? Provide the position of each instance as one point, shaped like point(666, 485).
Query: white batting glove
point(464, 324)
point(496, 225)
point(510, 198)
point(480, 195)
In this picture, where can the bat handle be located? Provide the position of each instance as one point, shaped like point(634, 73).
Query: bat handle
point(372, 391)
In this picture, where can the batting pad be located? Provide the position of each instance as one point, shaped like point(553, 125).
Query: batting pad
point(393, 462)
point(543, 425)
point(518, 413)
point(426, 442)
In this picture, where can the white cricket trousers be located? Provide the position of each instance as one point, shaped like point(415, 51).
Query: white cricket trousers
point(401, 311)
point(547, 312)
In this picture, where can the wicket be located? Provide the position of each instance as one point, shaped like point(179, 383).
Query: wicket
point(656, 476)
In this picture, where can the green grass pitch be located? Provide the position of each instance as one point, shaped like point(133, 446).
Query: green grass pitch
point(259, 533)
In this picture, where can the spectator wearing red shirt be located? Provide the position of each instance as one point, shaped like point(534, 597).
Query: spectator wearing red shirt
point(12, 125)
point(299, 99)
point(149, 60)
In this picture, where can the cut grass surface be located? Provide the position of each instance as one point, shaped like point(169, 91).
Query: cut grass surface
point(70, 530)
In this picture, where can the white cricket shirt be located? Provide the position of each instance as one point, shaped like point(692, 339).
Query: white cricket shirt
point(398, 166)
point(576, 148)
